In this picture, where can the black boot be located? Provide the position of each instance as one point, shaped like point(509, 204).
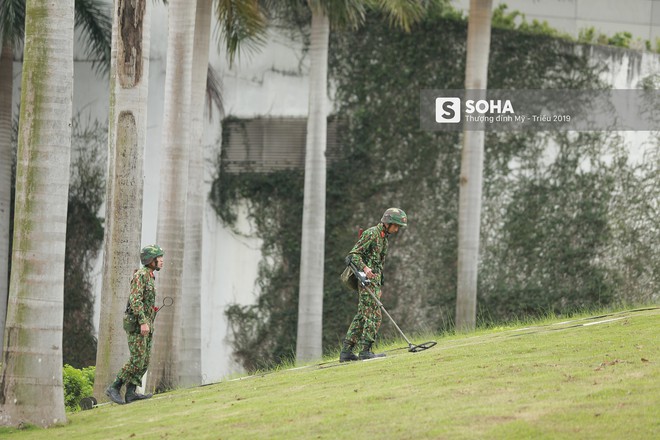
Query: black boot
point(346, 354)
point(114, 392)
point(366, 352)
point(131, 395)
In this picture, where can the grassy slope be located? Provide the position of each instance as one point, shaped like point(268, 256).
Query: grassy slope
point(596, 377)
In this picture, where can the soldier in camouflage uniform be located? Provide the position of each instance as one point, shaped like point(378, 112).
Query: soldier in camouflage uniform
point(368, 255)
point(138, 323)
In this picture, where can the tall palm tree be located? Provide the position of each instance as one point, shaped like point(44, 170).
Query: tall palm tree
point(324, 14)
point(93, 20)
point(31, 390)
point(312, 252)
point(163, 367)
point(127, 122)
point(190, 367)
point(241, 22)
point(472, 159)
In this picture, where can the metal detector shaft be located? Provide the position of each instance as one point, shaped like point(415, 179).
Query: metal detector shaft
point(380, 304)
point(411, 347)
point(364, 281)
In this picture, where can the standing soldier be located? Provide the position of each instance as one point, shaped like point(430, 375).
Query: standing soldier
point(138, 323)
point(368, 255)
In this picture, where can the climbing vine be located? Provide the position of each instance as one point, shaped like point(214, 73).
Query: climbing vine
point(84, 239)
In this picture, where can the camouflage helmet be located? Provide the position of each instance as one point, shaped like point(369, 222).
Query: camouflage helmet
point(149, 253)
point(395, 216)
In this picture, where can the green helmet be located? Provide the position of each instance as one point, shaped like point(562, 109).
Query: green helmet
point(395, 216)
point(149, 253)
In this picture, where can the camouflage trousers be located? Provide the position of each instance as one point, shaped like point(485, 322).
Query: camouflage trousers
point(140, 350)
point(367, 321)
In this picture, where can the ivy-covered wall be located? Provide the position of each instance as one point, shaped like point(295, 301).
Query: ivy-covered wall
point(566, 222)
point(84, 238)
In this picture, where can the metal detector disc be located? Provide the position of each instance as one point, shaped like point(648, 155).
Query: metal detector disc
point(421, 347)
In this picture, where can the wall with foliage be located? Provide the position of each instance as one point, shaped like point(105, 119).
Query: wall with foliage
point(84, 237)
point(567, 222)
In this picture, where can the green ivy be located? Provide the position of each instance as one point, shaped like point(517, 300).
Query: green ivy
point(84, 239)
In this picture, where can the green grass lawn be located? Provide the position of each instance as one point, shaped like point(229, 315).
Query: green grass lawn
point(591, 377)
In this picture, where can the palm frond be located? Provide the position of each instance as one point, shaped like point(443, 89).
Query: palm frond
point(342, 13)
point(12, 21)
point(94, 19)
point(402, 13)
point(243, 25)
point(291, 17)
point(214, 92)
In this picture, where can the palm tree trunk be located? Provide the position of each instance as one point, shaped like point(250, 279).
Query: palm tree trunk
point(6, 81)
point(127, 123)
point(163, 372)
point(472, 159)
point(31, 389)
point(310, 303)
point(190, 366)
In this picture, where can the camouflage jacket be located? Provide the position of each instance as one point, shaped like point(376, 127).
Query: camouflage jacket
point(371, 250)
point(142, 299)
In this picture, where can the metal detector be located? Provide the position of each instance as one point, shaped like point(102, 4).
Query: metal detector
point(167, 301)
point(365, 282)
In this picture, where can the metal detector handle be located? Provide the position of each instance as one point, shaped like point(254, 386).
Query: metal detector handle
point(361, 276)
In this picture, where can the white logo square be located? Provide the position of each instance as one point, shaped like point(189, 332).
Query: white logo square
point(447, 110)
